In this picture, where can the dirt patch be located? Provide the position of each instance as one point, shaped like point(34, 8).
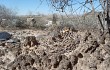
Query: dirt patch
point(81, 50)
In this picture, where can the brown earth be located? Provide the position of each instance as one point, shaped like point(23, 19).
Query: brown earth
point(71, 50)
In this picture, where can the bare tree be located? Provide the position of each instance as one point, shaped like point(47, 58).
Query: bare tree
point(60, 5)
point(6, 13)
point(6, 16)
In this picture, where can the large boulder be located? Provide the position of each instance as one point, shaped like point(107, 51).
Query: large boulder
point(5, 36)
point(31, 41)
point(31, 21)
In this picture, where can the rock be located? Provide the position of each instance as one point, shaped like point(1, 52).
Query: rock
point(74, 60)
point(22, 62)
point(107, 48)
point(2, 43)
point(65, 65)
point(101, 40)
point(46, 62)
point(105, 65)
point(56, 60)
point(15, 40)
point(2, 52)
point(5, 36)
point(31, 41)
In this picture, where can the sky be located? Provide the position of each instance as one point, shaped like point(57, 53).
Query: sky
point(27, 6)
point(24, 7)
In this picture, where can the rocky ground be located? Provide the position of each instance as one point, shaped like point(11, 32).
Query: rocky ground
point(72, 50)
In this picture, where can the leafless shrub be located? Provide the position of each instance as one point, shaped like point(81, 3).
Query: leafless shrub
point(19, 23)
point(6, 16)
point(82, 22)
point(60, 27)
point(6, 13)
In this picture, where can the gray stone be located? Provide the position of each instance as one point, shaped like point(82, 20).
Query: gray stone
point(5, 36)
